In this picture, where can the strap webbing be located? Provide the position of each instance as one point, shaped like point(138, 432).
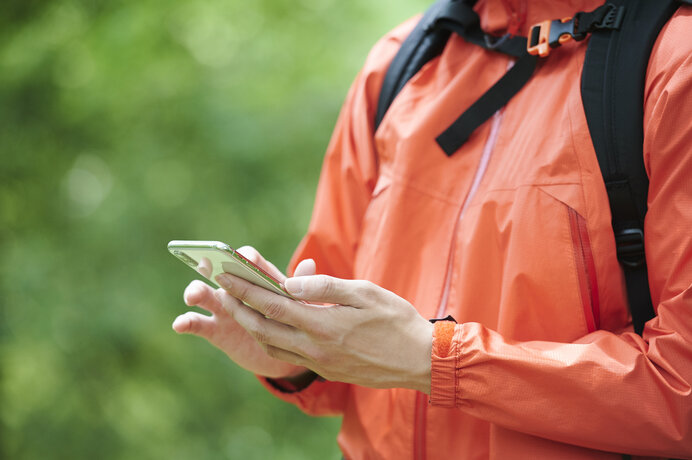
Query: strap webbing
point(493, 100)
point(427, 40)
point(464, 21)
point(613, 98)
point(606, 16)
point(418, 48)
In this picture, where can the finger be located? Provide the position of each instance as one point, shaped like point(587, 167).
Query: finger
point(285, 356)
point(200, 294)
point(323, 288)
point(306, 267)
point(196, 324)
point(204, 267)
point(269, 304)
point(256, 258)
point(265, 331)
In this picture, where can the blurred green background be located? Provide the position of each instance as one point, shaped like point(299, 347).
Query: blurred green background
point(123, 125)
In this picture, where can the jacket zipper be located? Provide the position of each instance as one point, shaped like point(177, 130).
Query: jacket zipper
point(478, 177)
point(586, 270)
point(420, 414)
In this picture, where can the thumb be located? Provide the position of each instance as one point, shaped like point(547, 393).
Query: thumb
point(327, 289)
point(306, 267)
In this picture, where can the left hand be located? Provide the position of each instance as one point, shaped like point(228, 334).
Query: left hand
point(222, 331)
point(368, 336)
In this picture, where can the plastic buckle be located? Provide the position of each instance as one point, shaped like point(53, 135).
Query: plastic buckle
point(549, 34)
point(612, 19)
point(629, 244)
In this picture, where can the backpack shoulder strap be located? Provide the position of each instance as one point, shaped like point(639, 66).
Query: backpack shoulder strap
point(612, 90)
point(419, 47)
point(428, 39)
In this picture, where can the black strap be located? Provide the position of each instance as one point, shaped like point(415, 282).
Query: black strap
point(459, 17)
point(493, 100)
point(613, 98)
point(608, 16)
point(418, 48)
point(427, 40)
point(462, 20)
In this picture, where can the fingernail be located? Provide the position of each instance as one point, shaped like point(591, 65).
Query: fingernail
point(294, 286)
point(224, 281)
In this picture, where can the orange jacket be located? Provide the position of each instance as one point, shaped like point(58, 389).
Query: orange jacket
point(512, 237)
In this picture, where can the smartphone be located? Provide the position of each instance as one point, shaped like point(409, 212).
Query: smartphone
point(211, 258)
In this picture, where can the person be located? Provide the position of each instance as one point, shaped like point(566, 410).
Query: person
point(511, 236)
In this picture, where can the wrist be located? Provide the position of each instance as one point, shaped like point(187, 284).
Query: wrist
point(422, 376)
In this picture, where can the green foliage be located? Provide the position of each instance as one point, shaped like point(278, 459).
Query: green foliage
point(126, 124)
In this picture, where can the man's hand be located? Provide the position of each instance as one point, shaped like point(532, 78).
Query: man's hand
point(222, 331)
point(368, 335)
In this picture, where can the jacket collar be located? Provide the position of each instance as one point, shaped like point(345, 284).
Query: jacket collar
point(496, 15)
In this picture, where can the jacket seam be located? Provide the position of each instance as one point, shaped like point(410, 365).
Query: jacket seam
point(399, 180)
point(457, 355)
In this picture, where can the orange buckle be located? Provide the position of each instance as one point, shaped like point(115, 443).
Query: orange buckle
point(549, 34)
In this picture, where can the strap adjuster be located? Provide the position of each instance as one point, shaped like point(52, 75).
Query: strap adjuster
point(550, 34)
point(629, 244)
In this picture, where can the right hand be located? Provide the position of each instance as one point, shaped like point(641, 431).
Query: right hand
point(222, 331)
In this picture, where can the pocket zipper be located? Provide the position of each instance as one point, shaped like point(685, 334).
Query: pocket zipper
point(586, 270)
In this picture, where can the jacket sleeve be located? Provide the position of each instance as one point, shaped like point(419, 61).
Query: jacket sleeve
point(621, 393)
point(347, 179)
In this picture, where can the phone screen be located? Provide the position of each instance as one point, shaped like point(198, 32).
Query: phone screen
point(211, 258)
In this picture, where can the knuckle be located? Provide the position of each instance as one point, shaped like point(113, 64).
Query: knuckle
point(192, 325)
point(328, 286)
point(223, 299)
point(320, 357)
point(221, 295)
point(368, 285)
point(362, 288)
point(272, 352)
point(367, 291)
point(259, 332)
point(242, 292)
point(229, 310)
point(320, 333)
point(274, 310)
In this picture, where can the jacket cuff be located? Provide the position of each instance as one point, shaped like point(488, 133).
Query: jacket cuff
point(291, 393)
point(292, 385)
point(443, 383)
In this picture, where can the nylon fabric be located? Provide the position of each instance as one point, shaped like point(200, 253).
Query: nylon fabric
point(490, 102)
point(523, 377)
